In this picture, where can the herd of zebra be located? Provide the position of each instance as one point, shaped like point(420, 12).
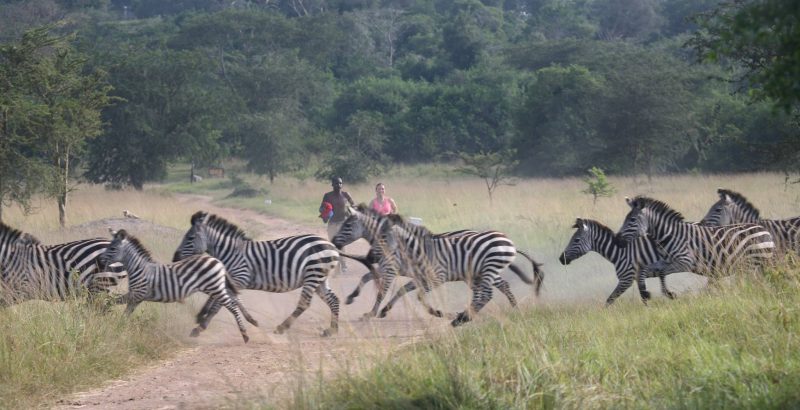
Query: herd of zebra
point(217, 258)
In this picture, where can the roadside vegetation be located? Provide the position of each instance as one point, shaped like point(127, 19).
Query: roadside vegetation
point(51, 349)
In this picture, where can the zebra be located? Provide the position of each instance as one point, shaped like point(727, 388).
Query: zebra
point(32, 270)
point(365, 223)
point(733, 208)
point(705, 250)
point(151, 281)
point(280, 265)
point(628, 258)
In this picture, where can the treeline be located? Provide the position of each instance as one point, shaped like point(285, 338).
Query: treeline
point(359, 84)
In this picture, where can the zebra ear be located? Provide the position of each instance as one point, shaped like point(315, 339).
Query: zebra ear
point(727, 198)
point(112, 231)
point(629, 202)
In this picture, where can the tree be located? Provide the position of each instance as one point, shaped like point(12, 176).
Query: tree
point(493, 167)
point(356, 152)
point(22, 171)
point(598, 185)
point(74, 101)
point(763, 38)
point(272, 143)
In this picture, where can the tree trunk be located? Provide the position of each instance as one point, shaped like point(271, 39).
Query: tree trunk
point(64, 191)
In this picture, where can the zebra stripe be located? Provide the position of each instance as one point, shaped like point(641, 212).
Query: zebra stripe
point(705, 250)
point(156, 282)
point(476, 258)
point(32, 270)
point(281, 265)
point(733, 208)
point(365, 223)
point(628, 258)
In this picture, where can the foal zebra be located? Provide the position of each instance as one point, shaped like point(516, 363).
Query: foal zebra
point(31, 270)
point(705, 250)
point(733, 208)
point(156, 282)
point(281, 265)
point(392, 261)
point(628, 258)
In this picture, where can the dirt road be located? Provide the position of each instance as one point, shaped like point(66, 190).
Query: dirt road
point(219, 368)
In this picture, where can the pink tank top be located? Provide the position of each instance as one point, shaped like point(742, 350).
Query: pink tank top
point(383, 209)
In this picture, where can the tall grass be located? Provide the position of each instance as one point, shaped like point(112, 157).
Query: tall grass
point(734, 346)
point(48, 349)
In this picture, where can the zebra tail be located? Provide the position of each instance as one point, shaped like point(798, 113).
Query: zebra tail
point(361, 259)
point(538, 273)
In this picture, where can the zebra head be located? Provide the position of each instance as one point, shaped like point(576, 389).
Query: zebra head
point(359, 224)
point(731, 208)
point(636, 222)
point(124, 249)
point(580, 244)
point(195, 241)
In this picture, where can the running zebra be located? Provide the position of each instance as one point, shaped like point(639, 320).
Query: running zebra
point(32, 270)
point(156, 282)
point(705, 250)
point(280, 265)
point(733, 208)
point(628, 258)
point(378, 231)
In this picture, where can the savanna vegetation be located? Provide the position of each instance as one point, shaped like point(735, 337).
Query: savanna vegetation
point(114, 91)
point(481, 114)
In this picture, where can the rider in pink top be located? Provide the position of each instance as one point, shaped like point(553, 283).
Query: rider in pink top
point(382, 204)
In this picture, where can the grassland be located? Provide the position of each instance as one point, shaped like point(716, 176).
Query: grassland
point(48, 349)
point(731, 346)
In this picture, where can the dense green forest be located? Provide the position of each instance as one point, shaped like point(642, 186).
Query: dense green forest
point(119, 89)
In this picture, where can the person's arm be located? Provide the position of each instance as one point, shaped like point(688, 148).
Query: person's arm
point(349, 199)
point(394, 205)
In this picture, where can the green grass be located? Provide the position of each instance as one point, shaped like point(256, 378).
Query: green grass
point(49, 349)
point(735, 346)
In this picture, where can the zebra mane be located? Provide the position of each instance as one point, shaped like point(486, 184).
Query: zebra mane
point(600, 227)
point(740, 200)
point(16, 234)
point(225, 227)
point(657, 206)
point(417, 230)
point(134, 241)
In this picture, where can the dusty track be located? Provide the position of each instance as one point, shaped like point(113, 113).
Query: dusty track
point(220, 368)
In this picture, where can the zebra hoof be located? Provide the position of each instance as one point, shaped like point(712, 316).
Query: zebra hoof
point(366, 317)
point(280, 329)
point(253, 322)
point(645, 295)
point(383, 313)
point(460, 319)
point(436, 312)
point(350, 300)
point(670, 295)
point(245, 337)
point(195, 332)
point(329, 332)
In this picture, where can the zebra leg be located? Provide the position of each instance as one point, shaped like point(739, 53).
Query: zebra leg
point(505, 288)
point(302, 305)
point(408, 287)
point(625, 281)
point(426, 289)
point(332, 301)
point(233, 307)
point(640, 283)
point(357, 291)
point(481, 295)
point(664, 289)
point(385, 283)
